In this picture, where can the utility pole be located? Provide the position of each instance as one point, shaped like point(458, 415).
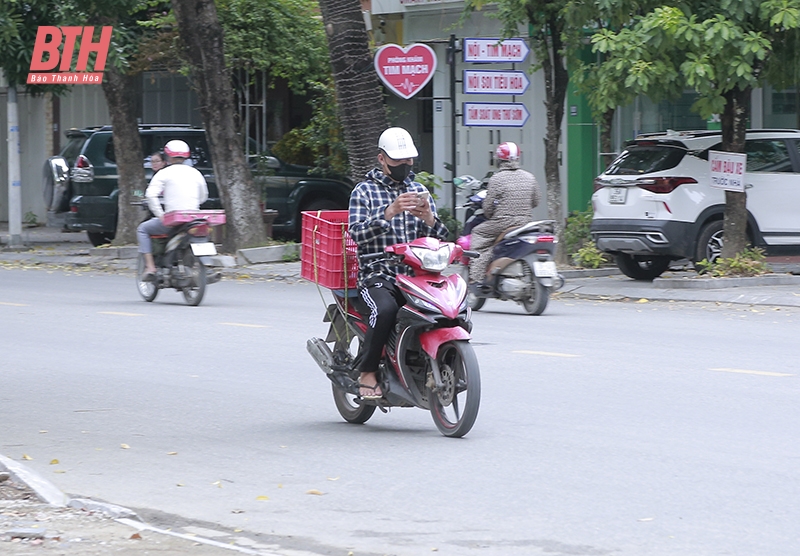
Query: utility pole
point(14, 176)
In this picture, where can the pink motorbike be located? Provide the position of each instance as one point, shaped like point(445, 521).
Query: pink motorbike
point(428, 361)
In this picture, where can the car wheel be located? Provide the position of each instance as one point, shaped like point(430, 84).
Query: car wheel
point(100, 238)
point(709, 242)
point(642, 268)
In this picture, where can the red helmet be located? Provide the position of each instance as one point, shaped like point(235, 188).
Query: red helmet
point(507, 151)
point(177, 148)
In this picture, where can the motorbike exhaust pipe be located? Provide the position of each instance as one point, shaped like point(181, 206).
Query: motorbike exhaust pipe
point(321, 353)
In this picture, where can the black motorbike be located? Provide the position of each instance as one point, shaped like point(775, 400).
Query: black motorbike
point(179, 258)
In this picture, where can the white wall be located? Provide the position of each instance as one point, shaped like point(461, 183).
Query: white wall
point(32, 153)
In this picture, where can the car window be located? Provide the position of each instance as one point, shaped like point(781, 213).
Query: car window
point(197, 145)
point(767, 155)
point(73, 148)
point(643, 160)
point(111, 156)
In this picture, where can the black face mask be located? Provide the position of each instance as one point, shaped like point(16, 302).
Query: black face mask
point(400, 172)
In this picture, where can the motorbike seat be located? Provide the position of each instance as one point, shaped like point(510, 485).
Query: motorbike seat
point(546, 226)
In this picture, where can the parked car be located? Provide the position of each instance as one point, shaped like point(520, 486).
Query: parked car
point(82, 181)
point(654, 204)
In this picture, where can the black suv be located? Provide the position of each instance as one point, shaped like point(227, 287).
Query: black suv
point(82, 181)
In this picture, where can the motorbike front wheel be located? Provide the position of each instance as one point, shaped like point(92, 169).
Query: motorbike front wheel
point(196, 270)
point(349, 406)
point(455, 406)
point(148, 290)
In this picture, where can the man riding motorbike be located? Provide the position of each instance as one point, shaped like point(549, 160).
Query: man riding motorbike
point(511, 194)
point(388, 207)
point(183, 187)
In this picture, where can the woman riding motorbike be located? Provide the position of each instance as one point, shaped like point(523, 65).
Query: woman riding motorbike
point(511, 194)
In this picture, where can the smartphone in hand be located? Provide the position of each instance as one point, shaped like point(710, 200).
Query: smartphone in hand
point(422, 196)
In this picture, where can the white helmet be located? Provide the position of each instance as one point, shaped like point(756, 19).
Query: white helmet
point(397, 143)
point(177, 148)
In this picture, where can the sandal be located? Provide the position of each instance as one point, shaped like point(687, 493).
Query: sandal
point(377, 393)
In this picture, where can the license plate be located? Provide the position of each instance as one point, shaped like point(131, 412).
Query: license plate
point(545, 269)
point(203, 249)
point(617, 195)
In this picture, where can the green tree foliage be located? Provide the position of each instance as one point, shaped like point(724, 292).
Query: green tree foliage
point(19, 20)
point(282, 37)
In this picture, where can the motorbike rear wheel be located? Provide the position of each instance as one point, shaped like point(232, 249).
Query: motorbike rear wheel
point(455, 407)
point(196, 270)
point(349, 406)
point(537, 302)
point(148, 290)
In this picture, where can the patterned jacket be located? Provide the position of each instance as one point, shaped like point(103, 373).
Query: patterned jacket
point(511, 195)
point(373, 233)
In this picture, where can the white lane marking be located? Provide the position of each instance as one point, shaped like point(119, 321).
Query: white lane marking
point(245, 325)
point(13, 304)
point(121, 314)
point(748, 372)
point(545, 353)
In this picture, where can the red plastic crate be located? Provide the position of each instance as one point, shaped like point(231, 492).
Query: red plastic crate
point(213, 217)
point(328, 254)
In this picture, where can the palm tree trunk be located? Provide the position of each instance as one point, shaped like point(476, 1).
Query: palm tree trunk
point(358, 90)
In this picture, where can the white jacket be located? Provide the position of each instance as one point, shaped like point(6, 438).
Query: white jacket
point(184, 188)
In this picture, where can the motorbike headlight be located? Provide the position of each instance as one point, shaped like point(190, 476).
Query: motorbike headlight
point(433, 261)
point(422, 304)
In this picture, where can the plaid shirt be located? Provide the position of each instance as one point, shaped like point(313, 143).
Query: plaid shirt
point(373, 233)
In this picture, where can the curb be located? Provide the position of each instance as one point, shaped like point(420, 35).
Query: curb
point(717, 283)
point(50, 494)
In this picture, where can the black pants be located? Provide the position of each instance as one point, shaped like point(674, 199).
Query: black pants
point(383, 299)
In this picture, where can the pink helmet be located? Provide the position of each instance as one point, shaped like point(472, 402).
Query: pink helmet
point(507, 151)
point(177, 148)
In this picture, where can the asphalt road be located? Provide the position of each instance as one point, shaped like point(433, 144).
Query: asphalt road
point(641, 429)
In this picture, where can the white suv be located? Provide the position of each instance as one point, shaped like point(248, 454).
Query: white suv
point(654, 203)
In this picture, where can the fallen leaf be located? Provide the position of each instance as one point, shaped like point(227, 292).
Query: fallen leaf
point(172, 453)
point(54, 462)
point(124, 446)
point(179, 484)
point(59, 471)
point(136, 536)
point(26, 457)
point(238, 530)
point(42, 432)
point(333, 478)
point(262, 498)
point(315, 492)
point(643, 300)
point(217, 483)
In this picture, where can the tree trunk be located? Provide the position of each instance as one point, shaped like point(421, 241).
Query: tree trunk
point(556, 80)
point(122, 95)
point(201, 33)
point(606, 123)
point(734, 126)
point(358, 91)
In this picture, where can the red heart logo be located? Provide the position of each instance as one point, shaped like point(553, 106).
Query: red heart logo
point(405, 71)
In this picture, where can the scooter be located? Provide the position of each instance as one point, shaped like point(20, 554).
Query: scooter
point(428, 361)
point(522, 267)
point(181, 256)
